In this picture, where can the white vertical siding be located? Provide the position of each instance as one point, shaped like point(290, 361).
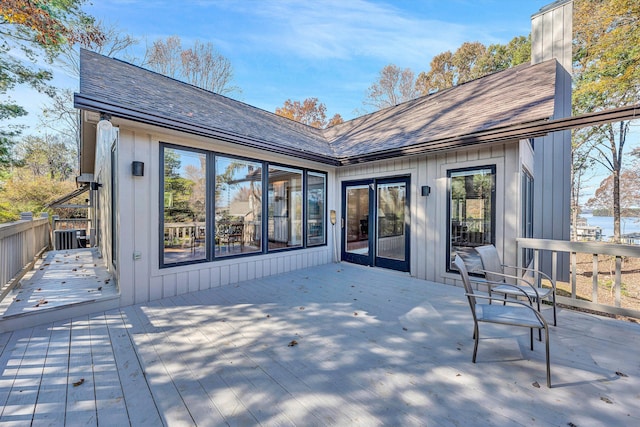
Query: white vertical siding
point(429, 214)
point(138, 226)
point(551, 37)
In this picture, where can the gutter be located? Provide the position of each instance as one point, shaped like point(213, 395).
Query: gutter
point(84, 102)
point(519, 131)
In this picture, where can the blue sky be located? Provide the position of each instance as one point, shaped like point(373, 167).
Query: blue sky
point(331, 50)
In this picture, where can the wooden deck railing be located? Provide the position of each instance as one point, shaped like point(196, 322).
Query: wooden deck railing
point(20, 243)
point(603, 276)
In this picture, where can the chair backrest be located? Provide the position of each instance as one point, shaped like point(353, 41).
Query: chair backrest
point(464, 275)
point(490, 262)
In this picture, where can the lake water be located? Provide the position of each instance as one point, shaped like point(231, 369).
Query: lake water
point(627, 225)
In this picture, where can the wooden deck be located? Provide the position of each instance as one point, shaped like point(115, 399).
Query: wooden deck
point(331, 345)
point(62, 284)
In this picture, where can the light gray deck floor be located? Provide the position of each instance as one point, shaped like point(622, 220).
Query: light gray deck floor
point(373, 348)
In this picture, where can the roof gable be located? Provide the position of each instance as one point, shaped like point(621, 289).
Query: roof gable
point(515, 96)
point(522, 94)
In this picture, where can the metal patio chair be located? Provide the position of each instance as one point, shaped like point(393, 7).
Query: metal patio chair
point(512, 312)
point(494, 271)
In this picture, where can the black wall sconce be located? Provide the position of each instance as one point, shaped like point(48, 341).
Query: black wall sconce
point(426, 190)
point(137, 169)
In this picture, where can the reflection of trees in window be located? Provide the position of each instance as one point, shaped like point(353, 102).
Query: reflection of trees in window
point(285, 207)
point(184, 188)
point(471, 216)
point(316, 195)
point(238, 206)
point(391, 204)
point(184, 205)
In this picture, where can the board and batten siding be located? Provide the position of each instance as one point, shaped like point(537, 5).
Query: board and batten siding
point(551, 37)
point(428, 238)
point(138, 215)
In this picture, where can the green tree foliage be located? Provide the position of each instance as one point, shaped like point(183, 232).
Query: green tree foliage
point(394, 86)
point(470, 61)
point(47, 156)
point(36, 29)
point(311, 112)
point(41, 172)
point(607, 75)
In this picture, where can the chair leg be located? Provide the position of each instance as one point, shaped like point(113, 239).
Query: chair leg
point(476, 337)
point(539, 330)
point(555, 323)
point(546, 338)
point(531, 335)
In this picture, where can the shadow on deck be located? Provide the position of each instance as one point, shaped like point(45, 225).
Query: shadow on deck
point(63, 284)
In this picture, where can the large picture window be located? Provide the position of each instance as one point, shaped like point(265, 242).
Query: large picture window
point(184, 206)
point(238, 217)
point(285, 207)
point(471, 212)
point(212, 206)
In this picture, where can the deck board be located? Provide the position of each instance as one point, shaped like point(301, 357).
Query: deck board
point(135, 389)
point(52, 397)
point(373, 348)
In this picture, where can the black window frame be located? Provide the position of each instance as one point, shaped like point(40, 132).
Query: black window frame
point(210, 206)
point(527, 215)
point(493, 169)
point(161, 201)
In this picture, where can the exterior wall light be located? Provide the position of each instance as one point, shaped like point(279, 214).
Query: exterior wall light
point(137, 169)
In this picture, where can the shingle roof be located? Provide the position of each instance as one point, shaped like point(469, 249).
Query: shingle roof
point(130, 91)
point(519, 95)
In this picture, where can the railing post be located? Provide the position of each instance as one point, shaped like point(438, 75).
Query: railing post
point(618, 285)
point(574, 277)
point(594, 279)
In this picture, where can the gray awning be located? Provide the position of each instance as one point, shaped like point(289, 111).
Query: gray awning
point(58, 203)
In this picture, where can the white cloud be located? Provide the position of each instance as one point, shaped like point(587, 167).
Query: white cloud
point(350, 29)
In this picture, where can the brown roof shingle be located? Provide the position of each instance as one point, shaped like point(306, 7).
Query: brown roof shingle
point(515, 96)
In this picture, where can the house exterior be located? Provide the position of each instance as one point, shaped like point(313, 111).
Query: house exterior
point(192, 190)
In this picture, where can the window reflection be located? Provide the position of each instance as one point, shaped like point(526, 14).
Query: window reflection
point(285, 208)
point(184, 206)
point(238, 218)
point(391, 222)
point(316, 212)
point(471, 212)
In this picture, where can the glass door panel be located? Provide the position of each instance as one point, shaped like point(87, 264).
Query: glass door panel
point(357, 219)
point(390, 221)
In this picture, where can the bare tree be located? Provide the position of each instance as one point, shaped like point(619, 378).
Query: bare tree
point(164, 57)
point(114, 43)
point(201, 65)
point(394, 86)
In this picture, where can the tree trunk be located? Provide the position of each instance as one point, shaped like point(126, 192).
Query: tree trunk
point(616, 205)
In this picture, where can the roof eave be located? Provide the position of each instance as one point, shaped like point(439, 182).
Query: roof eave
point(519, 131)
point(84, 102)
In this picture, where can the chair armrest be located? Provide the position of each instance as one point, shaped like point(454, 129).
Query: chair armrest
point(508, 276)
point(541, 273)
point(517, 289)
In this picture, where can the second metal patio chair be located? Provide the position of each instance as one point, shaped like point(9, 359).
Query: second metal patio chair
point(513, 313)
point(494, 271)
